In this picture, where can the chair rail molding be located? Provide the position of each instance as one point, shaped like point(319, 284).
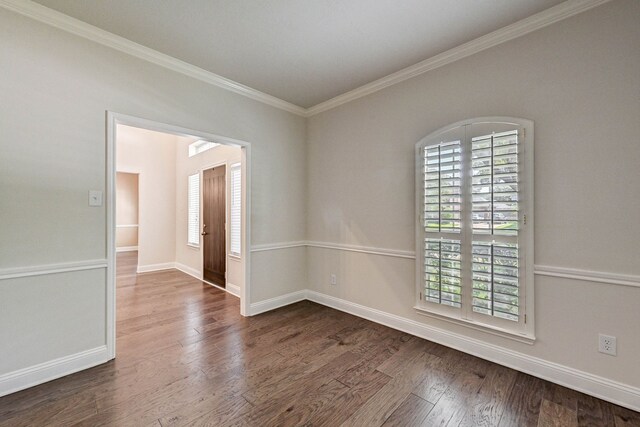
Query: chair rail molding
point(44, 269)
point(601, 277)
point(277, 246)
point(396, 253)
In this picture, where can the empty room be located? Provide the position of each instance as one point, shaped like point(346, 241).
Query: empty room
point(320, 213)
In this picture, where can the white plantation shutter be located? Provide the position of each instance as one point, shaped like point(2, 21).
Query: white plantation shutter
point(471, 231)
point(442, 187)
point(495, 195)
point(495, 279)
point(236, 209)
point(442, 209)
point(494, 166)
point(442, 272)
point(193, 210)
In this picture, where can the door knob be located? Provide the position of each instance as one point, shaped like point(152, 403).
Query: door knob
point(204, 233)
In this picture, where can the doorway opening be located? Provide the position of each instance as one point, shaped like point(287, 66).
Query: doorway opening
point(204, 196)
point(127, 211)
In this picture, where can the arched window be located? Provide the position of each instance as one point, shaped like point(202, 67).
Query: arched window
point(474, 199)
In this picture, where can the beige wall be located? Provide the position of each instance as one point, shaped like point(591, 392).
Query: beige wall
point(152, 155)
point(126, 210)
point(163, 164)
point(56, 88)
point(188, 256)
point(579, 81)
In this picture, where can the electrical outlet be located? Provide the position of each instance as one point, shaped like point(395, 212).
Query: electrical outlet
point(607, 344)
point(333, 280)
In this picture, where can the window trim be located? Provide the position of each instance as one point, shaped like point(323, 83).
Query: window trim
point(232, 168)
point(199, 210)
point(523, 331)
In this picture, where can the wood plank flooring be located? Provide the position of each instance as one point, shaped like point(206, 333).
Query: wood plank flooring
point(185, 357)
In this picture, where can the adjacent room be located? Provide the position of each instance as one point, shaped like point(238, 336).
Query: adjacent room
point(320, 213)
point(179, 205)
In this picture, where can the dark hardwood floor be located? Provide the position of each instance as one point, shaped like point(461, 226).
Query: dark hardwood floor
point(185, 356)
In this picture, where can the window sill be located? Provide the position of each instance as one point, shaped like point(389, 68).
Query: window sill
point(493, 330)
point(192, 246)
point(236, 257)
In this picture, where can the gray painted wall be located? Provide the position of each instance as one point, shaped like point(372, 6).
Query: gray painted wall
point(579, 81)
point(56, 89)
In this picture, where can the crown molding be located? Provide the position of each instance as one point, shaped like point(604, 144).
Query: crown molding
point(75, 26)
point(525, 26)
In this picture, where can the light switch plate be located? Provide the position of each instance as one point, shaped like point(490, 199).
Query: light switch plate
point(95, 198)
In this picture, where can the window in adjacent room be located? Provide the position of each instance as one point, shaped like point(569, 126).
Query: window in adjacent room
point(193, 210)
point(200, 146)
point(475, 225)
point(236, 209)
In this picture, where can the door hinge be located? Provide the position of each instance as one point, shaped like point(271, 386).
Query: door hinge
point(525, 318)
point(420, 296)
point(524, 219)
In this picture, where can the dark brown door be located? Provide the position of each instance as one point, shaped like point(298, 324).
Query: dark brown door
point(213, 225)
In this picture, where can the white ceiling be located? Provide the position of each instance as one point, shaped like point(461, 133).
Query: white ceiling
point(301, 51)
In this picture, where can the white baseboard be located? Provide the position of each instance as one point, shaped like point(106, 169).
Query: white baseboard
point(127, 249)
point(188, 270)
point(277, 302)
point(44, 372)
point(233, 289)
point(603, 388)
point(230, 288)
point(155, 267)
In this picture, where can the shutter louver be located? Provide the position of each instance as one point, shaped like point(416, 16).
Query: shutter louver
point(495, 279)
point(236, 201)
point(494, 186)
point(193, 210)
point(442, 272)
point(442, 196)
